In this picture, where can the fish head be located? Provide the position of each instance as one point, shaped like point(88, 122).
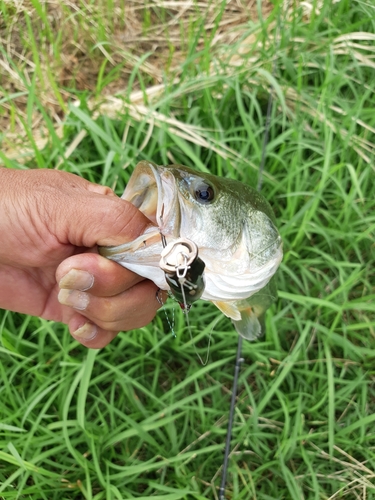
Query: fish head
point(179, 200)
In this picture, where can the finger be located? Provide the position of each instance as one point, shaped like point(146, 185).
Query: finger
point(84, 331)
point(89, 334)
point(100, 220)
point(131, 309)
point(91, 271)
point(66, 209)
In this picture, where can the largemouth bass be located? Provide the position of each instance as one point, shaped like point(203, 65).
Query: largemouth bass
point(232, 225)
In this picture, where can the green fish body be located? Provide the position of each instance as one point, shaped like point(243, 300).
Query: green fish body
point(232, 225)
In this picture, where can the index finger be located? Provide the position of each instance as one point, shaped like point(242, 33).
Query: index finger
point(91, 271)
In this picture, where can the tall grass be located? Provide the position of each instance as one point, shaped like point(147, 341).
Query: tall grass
point(143, 418)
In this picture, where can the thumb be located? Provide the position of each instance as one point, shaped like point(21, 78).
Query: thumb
point(103, 220)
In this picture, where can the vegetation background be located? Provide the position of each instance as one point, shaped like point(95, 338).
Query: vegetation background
point(93, 87)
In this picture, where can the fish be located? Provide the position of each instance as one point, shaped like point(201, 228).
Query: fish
point(231, 224)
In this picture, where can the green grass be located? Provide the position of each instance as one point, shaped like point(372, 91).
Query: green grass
point(143, 418)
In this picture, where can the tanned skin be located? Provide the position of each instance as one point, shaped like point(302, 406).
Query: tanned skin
point(51, 223)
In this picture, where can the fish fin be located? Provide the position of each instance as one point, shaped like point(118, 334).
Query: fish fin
point(249, 326)
point(252, 311)
point(229, 309)
point(247, 315)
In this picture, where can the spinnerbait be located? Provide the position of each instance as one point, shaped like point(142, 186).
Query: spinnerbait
point(183, 270)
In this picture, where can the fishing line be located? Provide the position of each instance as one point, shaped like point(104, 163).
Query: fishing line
point(237, 367)
point(204, 363)
point(239, 359)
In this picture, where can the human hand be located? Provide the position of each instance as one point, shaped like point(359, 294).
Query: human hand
point(51, 223)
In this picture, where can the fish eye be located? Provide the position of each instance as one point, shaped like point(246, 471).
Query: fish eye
point(204, 193)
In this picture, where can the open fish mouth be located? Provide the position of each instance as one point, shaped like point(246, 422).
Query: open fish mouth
point(151, 189)
point(144, 190)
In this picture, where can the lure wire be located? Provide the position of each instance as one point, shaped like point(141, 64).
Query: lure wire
point(239, 360)
point(181, 271)
point(159, 298)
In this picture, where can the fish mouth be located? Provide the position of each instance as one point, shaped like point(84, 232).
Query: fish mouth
point(152, 189)
point(144, 190)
